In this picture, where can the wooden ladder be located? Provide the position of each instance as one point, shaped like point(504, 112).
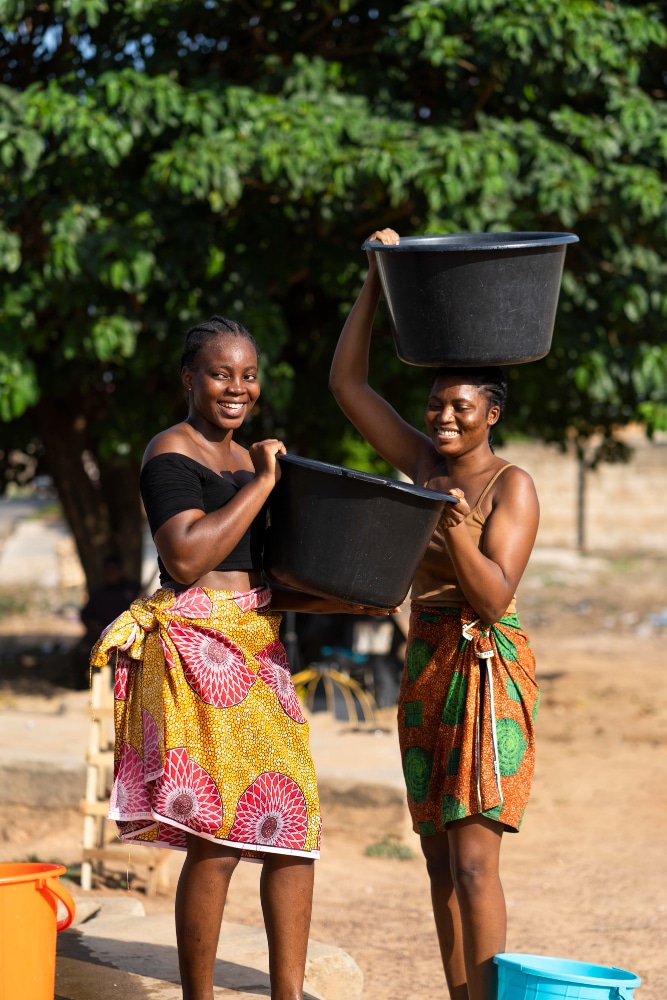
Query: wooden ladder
point(98, 832)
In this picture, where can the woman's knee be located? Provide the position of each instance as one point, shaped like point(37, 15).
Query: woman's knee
point(436, 852)
point(473, 868)
point(471, 872)
point(474, 855)
point(219, 857)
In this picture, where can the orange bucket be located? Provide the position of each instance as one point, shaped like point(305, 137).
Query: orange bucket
point(29, 895)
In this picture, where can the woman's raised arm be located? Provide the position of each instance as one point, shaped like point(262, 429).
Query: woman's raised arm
point(393, 438)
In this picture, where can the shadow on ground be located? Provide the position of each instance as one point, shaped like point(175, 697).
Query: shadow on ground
point(105, 969)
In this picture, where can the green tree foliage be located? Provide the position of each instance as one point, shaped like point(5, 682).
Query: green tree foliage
point(161, 161)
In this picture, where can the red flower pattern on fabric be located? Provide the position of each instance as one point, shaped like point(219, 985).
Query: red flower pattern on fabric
point(152, 761)
point(275, 672)
point(187, 794)
point(121, 676)
point(129, 794)
point(168, 657)
point(213, 665)
point(271, 812)
point(250, 600)
point(171, 836)
point(134, 826)
point(192, 603)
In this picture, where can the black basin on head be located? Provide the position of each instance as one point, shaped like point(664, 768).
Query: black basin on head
point(349, 535)
point(472, 298)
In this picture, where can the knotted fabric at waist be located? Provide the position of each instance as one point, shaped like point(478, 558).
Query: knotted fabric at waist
point(127, 633)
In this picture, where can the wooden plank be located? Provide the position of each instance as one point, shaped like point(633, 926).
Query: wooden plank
point(153, 857)
point(100, 808)
point(101, 758)
point(102, 712)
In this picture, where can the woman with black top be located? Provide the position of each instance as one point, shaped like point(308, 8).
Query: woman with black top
point(212, 752)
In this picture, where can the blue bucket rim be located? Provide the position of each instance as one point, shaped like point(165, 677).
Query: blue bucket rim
point(441, 243)
point(521, 960)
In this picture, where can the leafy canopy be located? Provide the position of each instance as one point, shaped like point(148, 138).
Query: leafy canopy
point(161, 161)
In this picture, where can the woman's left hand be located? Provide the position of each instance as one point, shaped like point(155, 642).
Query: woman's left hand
point(455, 513)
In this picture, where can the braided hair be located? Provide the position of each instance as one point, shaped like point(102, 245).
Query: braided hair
point(490, 380)
point(216, 326)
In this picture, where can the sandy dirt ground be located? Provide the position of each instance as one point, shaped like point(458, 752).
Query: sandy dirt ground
point(587, 876)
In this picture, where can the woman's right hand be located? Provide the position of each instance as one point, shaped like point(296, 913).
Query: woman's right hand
point(387, 236)
point(263, 455)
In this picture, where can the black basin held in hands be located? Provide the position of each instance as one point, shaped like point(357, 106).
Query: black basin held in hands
point(472, 298)
point(348, 535)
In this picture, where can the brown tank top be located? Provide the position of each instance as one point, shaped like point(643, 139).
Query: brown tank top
point(435, 581)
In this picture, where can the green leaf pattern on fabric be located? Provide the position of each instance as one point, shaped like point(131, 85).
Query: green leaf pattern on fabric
point(493, 813)
point(536, 706)
point(511, 745)
point(413, 714)
point(451, 809)
point(419, 653)
point(506, 647)
point(417, 767)
point(429, 616)
point(453, 711)
point(513, 690)
point(453, 761)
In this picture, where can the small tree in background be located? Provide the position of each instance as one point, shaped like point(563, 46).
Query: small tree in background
point(162, 161)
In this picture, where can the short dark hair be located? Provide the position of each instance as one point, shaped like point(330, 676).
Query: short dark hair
point(491, 380)
point(216, 326)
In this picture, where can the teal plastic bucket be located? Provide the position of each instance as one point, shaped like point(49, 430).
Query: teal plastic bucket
point(537, 977)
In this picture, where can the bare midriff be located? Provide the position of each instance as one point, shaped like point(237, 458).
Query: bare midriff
point(238, 579)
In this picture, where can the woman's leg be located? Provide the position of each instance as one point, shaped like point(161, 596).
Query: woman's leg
point(200, 901)
point(286, 890)
point(446, 913)
point(474, 851)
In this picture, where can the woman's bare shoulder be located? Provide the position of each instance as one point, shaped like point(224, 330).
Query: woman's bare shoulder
point(173, 440)
point(514, 482)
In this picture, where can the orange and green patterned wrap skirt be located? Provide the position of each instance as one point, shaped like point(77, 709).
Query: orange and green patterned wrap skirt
point(209, 734)
point(467, 709)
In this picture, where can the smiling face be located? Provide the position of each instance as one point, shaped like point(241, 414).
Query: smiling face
point(222, 384)
point(458, 416)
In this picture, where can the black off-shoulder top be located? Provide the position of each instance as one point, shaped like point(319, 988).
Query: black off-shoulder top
point(171, 483)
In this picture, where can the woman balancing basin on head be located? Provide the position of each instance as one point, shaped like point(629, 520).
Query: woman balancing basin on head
point(211, 753)
point(468, 695)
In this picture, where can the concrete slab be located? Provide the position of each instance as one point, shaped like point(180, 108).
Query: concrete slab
point(42, 754)
point(42, 750)
point(117, 947)
point(30, 553)
point(13, 510)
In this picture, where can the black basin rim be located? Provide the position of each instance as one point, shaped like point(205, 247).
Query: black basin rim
point(291, 579)
point(473, 241)
point(493, 362)
point(366, 477)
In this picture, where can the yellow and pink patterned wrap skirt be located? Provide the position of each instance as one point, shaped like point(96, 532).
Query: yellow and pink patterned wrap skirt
point(209, 734)
point(467, 709)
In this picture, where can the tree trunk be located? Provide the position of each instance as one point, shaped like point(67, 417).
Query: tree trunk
point(119, 480)
point(103, 512)
point(582, 468)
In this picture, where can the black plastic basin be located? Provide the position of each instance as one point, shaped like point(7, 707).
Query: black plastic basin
point(472, 298)
point(348, 535)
